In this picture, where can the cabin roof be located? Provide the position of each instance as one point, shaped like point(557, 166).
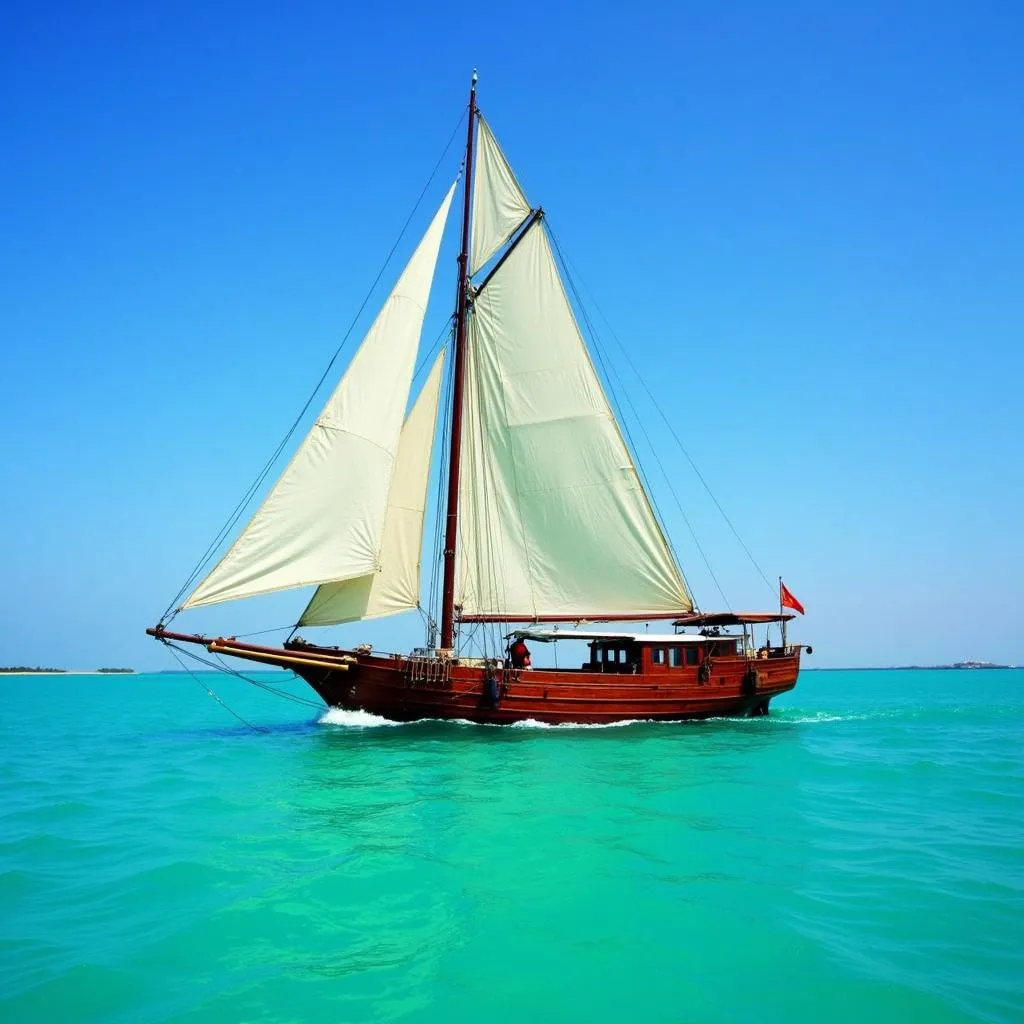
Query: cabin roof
point(729, 618)
point(590, 635)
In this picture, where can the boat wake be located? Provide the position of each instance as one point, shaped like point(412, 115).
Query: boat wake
point(355, 719)
point(367, 720)
point(532, 723)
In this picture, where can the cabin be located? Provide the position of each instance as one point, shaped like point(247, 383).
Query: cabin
point(642, 653)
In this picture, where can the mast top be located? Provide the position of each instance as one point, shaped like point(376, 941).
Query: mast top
point(475, 77)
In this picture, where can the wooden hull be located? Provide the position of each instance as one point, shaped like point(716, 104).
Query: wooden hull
point(407, 689)
point(401, 690)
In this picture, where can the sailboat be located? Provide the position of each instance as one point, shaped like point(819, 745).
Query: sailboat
point(549, 534)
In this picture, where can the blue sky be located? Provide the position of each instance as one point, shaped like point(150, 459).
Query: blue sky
point(803, 220)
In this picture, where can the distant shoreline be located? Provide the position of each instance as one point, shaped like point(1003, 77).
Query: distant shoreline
point(67, 672)
point(911, 668)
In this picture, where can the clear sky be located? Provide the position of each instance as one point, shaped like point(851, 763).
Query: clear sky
point(805, 221)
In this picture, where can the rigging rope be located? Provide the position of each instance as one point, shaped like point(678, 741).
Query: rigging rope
point(173, 608)
point(222, 667)
point(185, 668)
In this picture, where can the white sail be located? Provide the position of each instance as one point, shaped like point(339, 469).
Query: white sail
point(324, 518)
point(554, 518)
point(395, 587)
point(499, 206)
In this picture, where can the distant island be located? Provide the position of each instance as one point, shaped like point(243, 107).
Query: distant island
point(973, 664)
point(908, 668)
point(27, 670)
point(24, 669)
point(959, 664)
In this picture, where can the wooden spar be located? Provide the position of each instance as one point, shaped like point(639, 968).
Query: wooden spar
point(531, 218)
point(595, 617)
point(256, 652)
point(451, 531)
point(284, 658)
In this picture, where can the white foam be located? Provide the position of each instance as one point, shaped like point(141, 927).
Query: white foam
point(367, 720)
point(823, 716)
point(354, 719)
point(532, 723)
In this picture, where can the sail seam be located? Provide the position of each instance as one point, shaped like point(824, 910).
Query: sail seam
point(334, 429)
point(556, 489)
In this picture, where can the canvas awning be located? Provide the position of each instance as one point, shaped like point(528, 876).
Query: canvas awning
point(729, 618)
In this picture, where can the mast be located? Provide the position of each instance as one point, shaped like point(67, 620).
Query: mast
point(451, 530)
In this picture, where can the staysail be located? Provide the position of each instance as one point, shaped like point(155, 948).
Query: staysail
point(499, 206)
point(395, 587)
point(554, 519)
point(324, 519)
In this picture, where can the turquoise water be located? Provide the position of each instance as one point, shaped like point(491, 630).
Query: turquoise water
point(859, 854)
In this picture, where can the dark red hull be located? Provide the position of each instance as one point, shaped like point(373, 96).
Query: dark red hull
point(387, 687)
point(408, 688)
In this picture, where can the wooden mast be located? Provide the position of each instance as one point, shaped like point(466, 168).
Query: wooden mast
point(451, 530)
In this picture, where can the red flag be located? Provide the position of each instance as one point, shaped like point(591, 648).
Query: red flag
point(787, 600)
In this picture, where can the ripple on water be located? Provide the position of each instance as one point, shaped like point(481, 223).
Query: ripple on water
point(859, 852)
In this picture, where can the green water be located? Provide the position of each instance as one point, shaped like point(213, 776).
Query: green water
point(860, 855)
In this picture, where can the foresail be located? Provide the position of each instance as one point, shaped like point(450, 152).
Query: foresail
point(553, 517)
point(499, 206)
point(395, 587)
point(324, 519)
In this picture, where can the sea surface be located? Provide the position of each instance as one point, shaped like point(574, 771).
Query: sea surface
point(858, 856)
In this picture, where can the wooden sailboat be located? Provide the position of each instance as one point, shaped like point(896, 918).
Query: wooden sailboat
point(547, 521)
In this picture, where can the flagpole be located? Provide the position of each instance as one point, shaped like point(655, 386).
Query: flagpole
point(783, 621)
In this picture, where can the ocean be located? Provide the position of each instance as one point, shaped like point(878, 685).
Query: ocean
point(857, 856)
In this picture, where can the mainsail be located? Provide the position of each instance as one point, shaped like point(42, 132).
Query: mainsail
point(554, 520)
point(396, 586)
point(325, 517)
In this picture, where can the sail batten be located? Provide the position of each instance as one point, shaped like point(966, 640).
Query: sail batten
point(324, 518)
point(395, 587)
point(555, 519)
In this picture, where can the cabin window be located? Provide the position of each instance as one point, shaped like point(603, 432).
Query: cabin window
point(675, 657)
point(691, 655)
point(722, 648)
point(657, 655)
